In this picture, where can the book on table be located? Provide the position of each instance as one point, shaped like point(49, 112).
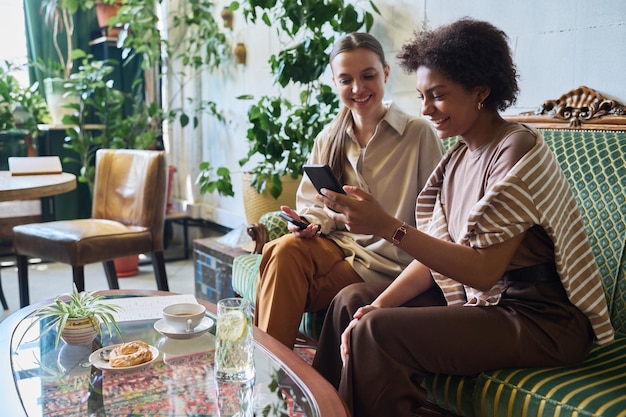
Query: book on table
point(34, 165)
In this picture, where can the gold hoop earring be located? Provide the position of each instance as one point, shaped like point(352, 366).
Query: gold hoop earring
point(480, 105)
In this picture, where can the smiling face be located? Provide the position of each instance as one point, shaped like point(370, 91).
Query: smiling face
point(360, 79)
point(450, 107)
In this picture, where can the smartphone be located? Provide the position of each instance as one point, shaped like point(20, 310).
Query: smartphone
point(298, 223)
point(323, 177)
point(291, 220)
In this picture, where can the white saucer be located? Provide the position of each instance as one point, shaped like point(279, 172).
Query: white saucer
point(96, 360)
point(161, 327)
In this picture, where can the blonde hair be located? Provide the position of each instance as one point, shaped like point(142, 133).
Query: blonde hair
point(334, 154)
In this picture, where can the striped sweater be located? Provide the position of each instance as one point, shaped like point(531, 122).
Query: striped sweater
point(534, 192)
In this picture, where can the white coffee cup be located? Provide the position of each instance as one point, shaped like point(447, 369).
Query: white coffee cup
point(183, 317)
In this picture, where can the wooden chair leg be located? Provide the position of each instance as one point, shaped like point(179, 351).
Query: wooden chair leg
point(22, 279)
point(111, 273)
point(2, 299)
point(78, 272)
point(158, 264)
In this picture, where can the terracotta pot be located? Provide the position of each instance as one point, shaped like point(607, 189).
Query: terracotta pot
point(127, 266)
point(80, 331)
point(227, 15)
point(240, 53)
point(103, 13)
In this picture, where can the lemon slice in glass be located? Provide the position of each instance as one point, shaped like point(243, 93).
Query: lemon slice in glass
point(231, 325)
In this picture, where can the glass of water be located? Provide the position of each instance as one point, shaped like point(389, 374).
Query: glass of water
point(234, 346)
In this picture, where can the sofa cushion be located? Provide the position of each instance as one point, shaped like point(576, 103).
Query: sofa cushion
point(595, 387)
point(451, 392)
point(276, 226)
point(245, 269)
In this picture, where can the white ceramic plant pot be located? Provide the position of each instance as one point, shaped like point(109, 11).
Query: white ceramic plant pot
point(55, 91)
point(80, 331)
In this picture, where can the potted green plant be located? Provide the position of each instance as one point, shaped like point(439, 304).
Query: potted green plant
point(21, 108)
point(282, 132)
point(59, 17)
point(100, 105)
point(91, 91)
point(77, 317)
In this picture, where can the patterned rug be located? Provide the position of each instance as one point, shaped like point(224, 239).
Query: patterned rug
point(182, 387)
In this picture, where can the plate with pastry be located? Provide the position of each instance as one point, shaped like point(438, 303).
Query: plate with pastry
point(124, 357)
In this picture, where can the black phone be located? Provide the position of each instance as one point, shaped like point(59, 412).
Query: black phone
point(298, 223)
point(322, 176)
point(291, 220)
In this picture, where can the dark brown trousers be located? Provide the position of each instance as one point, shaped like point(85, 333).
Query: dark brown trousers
point(392, 349)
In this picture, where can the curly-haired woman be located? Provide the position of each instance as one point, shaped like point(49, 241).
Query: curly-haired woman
point(503, 275)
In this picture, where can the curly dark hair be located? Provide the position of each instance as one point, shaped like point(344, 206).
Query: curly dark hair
point(471, 52)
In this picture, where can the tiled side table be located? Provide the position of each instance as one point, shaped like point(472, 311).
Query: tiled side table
point(213, 268)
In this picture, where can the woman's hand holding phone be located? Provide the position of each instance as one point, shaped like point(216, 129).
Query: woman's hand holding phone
point(302, 228)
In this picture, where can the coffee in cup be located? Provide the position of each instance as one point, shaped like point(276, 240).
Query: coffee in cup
point(183, 317)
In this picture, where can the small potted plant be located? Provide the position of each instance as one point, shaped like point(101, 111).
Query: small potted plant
point(77, 317)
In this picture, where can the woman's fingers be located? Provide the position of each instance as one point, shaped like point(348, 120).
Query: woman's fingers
point(345, 336)
point(345, 342)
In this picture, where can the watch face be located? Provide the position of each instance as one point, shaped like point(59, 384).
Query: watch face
point(398, 235)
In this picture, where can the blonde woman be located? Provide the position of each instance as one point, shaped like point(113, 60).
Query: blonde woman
point(371, 144)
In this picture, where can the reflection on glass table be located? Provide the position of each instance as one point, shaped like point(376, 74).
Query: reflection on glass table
point(180, 382)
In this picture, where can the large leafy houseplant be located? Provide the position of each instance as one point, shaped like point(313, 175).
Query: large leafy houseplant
point(194, 39)
point(281, 132)
point(98, 101)
point(77, 305)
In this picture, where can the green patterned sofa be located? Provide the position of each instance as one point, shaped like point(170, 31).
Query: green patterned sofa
point(587, 133)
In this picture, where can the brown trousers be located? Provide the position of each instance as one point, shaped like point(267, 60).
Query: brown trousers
point(297, 275)
point(392, 349)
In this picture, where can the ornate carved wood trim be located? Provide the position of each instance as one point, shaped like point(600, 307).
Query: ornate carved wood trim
point(258, 233)
point(580, 108)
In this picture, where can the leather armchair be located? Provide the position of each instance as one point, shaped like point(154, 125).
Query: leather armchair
point(128, 213)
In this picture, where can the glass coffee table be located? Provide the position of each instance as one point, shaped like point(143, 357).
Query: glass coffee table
point(41, 380)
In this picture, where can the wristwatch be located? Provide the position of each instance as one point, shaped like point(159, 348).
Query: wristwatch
point(399, 234)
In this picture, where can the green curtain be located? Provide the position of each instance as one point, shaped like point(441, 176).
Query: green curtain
point(39, 36)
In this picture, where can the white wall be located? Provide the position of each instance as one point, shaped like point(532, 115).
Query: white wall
point(557, 45)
